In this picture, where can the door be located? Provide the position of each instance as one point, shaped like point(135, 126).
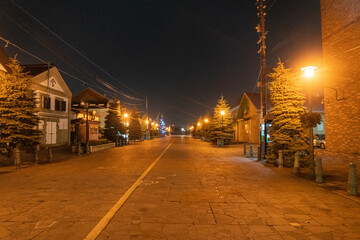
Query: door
point(51, 132)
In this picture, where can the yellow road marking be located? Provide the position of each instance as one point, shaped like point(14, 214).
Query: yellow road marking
point(95, 232)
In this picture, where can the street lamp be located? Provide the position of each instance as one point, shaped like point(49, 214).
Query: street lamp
point(222, 128)
point(126, 128)
point(206, 120)
point(86, 106)
point(309, 73)
point(147, 129)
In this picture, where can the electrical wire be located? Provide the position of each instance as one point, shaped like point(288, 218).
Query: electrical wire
point(45, 62)
point(77, 68)
point(74, 49)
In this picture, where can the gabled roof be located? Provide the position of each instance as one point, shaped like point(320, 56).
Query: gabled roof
point(4, 60)
point(36, 69)
point(255, 99)
point(236, 103)
point(91, 96)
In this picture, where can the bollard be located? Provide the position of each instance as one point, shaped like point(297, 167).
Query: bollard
point(251, 151)
point(281, 160)
point(259, 154)
point(352, 181)
point(17, 158)
point(319, 170)
point(49, 156)
point(245, 150)
point(36, 153)
point(297, 163)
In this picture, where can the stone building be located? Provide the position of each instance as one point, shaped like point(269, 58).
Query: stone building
point(341, 73)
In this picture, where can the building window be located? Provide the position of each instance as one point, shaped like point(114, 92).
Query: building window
point(94, 130)
point(57, 105)
point(47, 102)
point(63, 106)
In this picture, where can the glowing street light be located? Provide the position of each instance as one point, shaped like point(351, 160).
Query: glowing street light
point(309, 71)
point(206, 120)
point(199, 124)
point(125, 115)
point(222, 128)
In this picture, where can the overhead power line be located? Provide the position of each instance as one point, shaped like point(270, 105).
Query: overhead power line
point(45, 62)
point(78, 68)
point(74, 49)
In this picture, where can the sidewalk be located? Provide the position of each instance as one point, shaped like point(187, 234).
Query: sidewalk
point(335, 168)
point(58, 155)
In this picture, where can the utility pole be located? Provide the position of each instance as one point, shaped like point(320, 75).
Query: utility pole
point(261, 13)
point(147, 119)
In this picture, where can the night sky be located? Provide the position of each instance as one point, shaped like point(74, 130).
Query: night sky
point(182, 54)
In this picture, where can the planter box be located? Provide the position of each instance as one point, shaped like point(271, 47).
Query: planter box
point(101, 147)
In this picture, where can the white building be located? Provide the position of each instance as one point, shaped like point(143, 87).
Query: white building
point(54, 103)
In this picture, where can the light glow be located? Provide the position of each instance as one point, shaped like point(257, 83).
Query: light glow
point(308, 71)
point(222, 113)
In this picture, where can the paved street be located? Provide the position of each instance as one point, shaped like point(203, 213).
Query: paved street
point(195, 191)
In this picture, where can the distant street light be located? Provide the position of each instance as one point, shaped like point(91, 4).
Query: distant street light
point(309, 73)
point(199, 124)
point(222, 128)
point(206, 120)
point(126, 125)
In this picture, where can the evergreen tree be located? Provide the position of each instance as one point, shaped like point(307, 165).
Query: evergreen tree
point(144, 125)
point(287, 131)
point(113, 121)
point(134, 125)
point(221, 125)
point(18, 119)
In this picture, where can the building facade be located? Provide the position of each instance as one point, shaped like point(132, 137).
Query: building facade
point(341, 74)
point(53, 107)
point(96, 105)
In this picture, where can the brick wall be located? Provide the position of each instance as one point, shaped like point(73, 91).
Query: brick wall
point(341, 65)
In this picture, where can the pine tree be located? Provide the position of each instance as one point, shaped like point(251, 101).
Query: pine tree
point(134, 125)
point(18, 119)
point(287, 131)
point(113, 121)
point(221, 125)
point(144, 125)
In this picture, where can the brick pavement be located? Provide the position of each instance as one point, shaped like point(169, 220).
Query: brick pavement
point(196, 191)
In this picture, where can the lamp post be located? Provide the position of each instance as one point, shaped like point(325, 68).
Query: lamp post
point(309, 73)
point(222, 128)
point(206, 129)
point(126, 127)
point(86, 106)
point(147, 130)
